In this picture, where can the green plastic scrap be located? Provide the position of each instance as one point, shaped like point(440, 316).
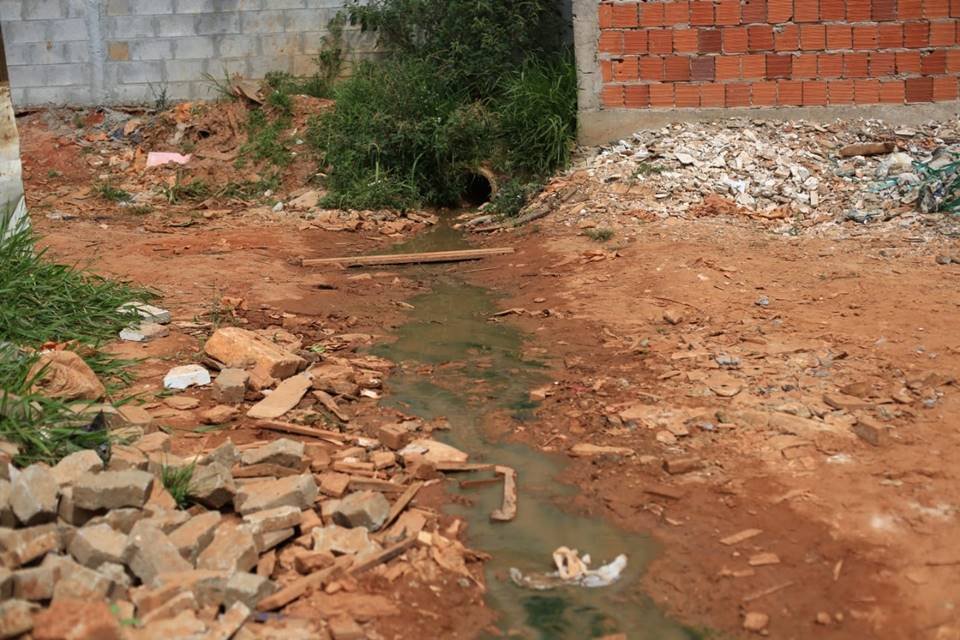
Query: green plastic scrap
point(940, 184)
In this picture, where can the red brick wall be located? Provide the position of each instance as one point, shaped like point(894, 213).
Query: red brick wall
point(757, 53)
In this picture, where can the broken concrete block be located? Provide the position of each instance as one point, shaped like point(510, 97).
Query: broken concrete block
point(167, 520)
point(232, 549)
point(434, 451)
point(212, 485)
point(394, 436)
point(26, 545)
point(158, 441)
point(188, 375)
point(120, 581)
point(35, 583)
point(240, 349)
point(230, 622)
point(366, 509)
point(33, 495)
point(193, 536)
point(77, 619)
point(183, 601)
point(343, 627)
point(383, 459)
point(269, 539)
point(226, 454)
point(69, 469)
point(298, 491)
point(334, 484)
point(248, 588)
point(220, 414)
point(120, 519)
point(307, 562)
point(150, 553)
point(92, 546)
point(273, 519)
point(309, 520)
point(284, 452)
point(112, 490)
point(208, 587)
point(126, 458)
point(230, 387)
point(6, 583)
point(7, 518)
point(184, 625)
point(341, 541)
point(284, 398)
point(148, 312)
point(80, 583)
point(16, 618)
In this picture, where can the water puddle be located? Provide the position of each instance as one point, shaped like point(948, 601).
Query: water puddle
point(479, 379)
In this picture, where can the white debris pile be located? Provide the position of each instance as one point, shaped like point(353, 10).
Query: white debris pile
point(861, 170)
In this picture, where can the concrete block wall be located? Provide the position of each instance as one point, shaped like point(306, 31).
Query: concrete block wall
point(700, 56)
point(128, 51)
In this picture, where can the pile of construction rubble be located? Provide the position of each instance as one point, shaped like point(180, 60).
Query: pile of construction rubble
point(98, 542)
point(801, 173)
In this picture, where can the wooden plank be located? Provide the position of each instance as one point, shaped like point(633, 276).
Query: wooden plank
point(386, 555)
point(508, 510)
point(334, 437)
point(300, 586)
point(402, 503)
point(409, 258)
point(451, 467)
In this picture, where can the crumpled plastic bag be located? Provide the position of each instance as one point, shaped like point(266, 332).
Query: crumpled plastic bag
point(571, 570)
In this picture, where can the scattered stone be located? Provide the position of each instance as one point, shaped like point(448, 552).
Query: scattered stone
point(220, 414)
point(70, 468)
point(283, 452)
point(306, 201)
point(7, 518)
point(33, 495)
point(273, 519)
point(16, 618)
point(871, 431)
point(195, 535)
point(740, 536)
point(230, 622)
point(367, 509)
point(230, 387)
point(36, 583)
point(94, 545)
point(824, 618)
point(207, 586)
point(763, 559)
point(434, 451)
point(64, 375)
point(148, 312)
point(212, 485)
point(284, 398)
point(334, 484)
point(269, 539)
point(394, 436)
point(185, 376)
point(226, 454)
point(343, 627)
point(120, 519)
point(232, 549)
point(183, 601)
point(240, 349)
point(156, 442)
point(675, 466)
point(144, 332)
point(80, 583)
point(299, 491)
point(307, 562)
point(672, 316)
point(383, 459)
point(341, 541)
point(119, 578)
point(755, 621)
point(942, 259)
point(248, 588)
point(126, 458)
point(337, 379)
point(26, 545)
point(182, 403)
point(584, 450)
point(183, 625)
point(132, 415)
point(150, 552)
point(112, 490)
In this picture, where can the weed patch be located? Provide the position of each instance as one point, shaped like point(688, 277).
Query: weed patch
point(109, 192)
point(176, 480)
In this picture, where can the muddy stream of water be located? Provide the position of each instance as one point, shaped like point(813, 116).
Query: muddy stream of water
point(477, 379)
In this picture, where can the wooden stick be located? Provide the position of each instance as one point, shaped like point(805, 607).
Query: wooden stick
point(333, 437)
point(402, 503)
point(451, 467)
point(386, 555)
point(300, 586)
point(409, 258)
point(508, 510)
point(766, 592)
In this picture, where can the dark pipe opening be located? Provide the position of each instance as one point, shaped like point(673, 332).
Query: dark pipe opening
point(477, 190)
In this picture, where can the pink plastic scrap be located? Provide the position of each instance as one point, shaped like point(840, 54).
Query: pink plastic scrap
point(160, 158)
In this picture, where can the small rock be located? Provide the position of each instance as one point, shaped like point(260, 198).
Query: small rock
point(299, 491)
point(36, 583)
point(226, 454)
point(65, 375)
point(230, 387)
point(675, 466)
point(942, 259)
point(126, 458)
point(238, 348)
point(220, 414)
point(70, 468)
point(763, 301)
point(150, 553)
point(341, 541)
point(212, 485)
point(343, 627)
point(673, 316)
point(247, 588)
point(80, 583)
point(156, 442)
point(283, 452)
point(362, 509)
point(337, 379)
point(232, 549)
point(185, 376)
point(195, 535)
point(131, 414)
point(755, 621)
point(16, 618)
point(273, 519)
point(33, 496)
point(144, 332)
point(284, 398)
point(182, 403)
point(112, 490)
point(871, 431)
point(93, 545)
point(824, 618)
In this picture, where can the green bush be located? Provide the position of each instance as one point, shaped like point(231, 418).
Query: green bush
point(465, 83)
